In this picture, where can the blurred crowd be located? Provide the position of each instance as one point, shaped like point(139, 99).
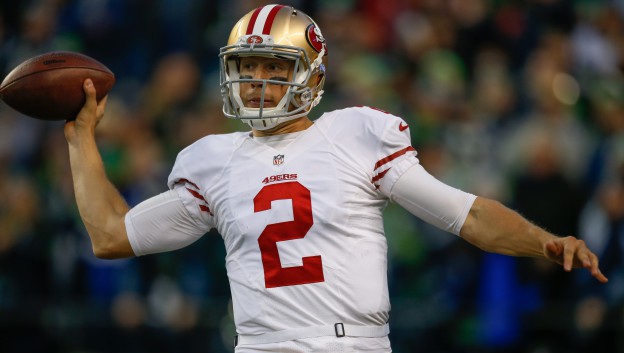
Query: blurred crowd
point(521, 101)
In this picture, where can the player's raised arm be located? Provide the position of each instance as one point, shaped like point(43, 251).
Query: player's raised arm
point(495, 228)
point(101, 206)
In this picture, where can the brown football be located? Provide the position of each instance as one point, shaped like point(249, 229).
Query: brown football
point(49, 86)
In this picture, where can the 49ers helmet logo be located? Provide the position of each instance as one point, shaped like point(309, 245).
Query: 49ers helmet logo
point(254, 39)
point(315, 38)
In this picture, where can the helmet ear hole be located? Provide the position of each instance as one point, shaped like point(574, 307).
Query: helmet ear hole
point(320, 78)
point(306, 96)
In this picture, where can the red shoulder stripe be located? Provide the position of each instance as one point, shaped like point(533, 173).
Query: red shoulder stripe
point(196, 194)
point(379, 176)
point(187, 182)
point(393, 156)
point(205, 209)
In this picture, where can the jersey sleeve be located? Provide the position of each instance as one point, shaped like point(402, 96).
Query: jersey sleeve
point(162, 223)
point(183, 214)
point(190, 177)
point(431, 200)
point(398, 175)
point(376, 142)
point(191, 196)
point(394, 153)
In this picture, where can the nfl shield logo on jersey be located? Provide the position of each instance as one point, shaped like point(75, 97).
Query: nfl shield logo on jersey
point(278, 160)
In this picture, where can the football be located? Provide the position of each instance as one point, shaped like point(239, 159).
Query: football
point(49, 86)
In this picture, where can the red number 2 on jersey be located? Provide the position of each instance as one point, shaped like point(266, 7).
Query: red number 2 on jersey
point(274, 274)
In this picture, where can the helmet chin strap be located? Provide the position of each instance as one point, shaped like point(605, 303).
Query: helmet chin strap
point(269, 123)
point(261, 124)
point(318, 61)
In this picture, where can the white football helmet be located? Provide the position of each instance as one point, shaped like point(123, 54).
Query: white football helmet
point(281, 32)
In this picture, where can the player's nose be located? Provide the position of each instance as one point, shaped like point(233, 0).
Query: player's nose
point(258, 74)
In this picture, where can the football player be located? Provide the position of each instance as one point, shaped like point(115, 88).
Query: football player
point(299, 203)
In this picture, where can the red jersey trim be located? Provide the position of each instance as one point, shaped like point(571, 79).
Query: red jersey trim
point(205, 209)
point(393, 156)
point(187, 182)
point(196, 194)
point(378, 177)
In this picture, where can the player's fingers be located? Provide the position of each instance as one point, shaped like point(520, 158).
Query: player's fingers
point(100, 109)
point(101, 106)
point(584, 258)
point(570, 249)
point(89, 90)
point(595, 269)
point(599, 276)
point(88, 115)
point(102, 103)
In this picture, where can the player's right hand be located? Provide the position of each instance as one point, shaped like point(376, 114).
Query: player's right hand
point(88, 117)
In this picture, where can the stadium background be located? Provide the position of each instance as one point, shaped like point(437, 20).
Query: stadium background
point(522, 101)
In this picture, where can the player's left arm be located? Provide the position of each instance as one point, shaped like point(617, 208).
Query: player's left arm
point(493, 227)
point(486, 223)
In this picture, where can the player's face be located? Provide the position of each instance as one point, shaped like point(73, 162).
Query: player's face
point(262, 68)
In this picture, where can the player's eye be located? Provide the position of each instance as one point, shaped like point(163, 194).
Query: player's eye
point(276, 67)
point(282, 79)
point(247, 67)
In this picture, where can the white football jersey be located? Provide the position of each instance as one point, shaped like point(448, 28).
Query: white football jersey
point(302, 220)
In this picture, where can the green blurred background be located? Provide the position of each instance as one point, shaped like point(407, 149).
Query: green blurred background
point(522, 101)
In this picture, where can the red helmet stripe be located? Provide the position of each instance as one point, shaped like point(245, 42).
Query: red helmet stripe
point(252, 21)
point(262, 19)
point(270, 18)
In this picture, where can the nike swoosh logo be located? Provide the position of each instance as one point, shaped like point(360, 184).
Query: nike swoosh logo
point(402, 126)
